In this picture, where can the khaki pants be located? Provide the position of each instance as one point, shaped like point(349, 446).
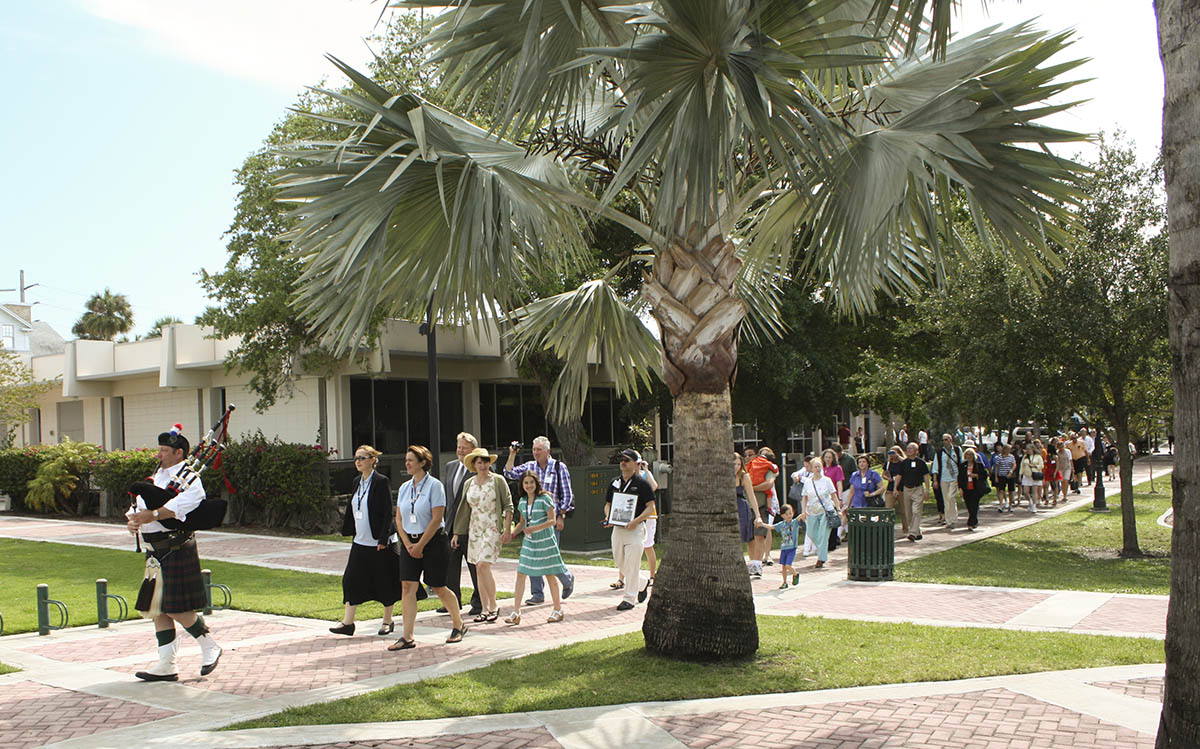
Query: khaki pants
point(950, 499)
point(893, 498)
point(627, 553)
point(914, 498)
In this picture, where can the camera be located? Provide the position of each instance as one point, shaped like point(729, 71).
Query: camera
point(515, 445)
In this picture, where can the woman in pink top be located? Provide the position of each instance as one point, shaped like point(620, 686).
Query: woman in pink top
point(832, 470)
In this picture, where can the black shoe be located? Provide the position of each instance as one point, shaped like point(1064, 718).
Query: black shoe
point(387, 628)
point(475, 611)
point(343, 629)
point(206, 670)
point(911, 537)
point(534, 601)
point(645, 591)
point(624, 606)
point(147, 676)
point(443, 610)
point(920, 537)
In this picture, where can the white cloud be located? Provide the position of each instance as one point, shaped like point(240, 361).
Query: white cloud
point(278, 42)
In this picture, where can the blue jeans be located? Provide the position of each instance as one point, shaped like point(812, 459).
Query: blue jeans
point(537, 585)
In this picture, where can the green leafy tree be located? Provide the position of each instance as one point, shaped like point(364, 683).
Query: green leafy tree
point(19, 394)
point(742, 128)
point(106, 316)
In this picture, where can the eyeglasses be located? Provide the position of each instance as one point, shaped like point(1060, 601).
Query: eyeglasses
point(626, 460)
point(361, 457)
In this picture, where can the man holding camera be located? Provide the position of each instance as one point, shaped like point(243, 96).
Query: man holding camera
point(556, 479)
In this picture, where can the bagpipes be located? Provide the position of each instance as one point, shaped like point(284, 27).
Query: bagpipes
point(210, 513)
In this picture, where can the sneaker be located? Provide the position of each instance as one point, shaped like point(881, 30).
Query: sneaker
point(783, 587)
point(756, 575)
point(769, 563)
point(911, 537)
point(568, 588)
point(534, 601)
point(624, 606)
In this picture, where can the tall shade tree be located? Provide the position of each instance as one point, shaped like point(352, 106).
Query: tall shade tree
point(106, 316)
point(744, 129)
point(1178, 32)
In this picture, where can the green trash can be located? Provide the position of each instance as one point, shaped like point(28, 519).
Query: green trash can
point(872, 541)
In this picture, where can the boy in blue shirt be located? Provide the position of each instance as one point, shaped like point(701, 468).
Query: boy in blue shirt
point(790, 529)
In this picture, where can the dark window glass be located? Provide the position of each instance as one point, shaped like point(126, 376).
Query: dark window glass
point(602, 415)
point(391, 430)
point(418, 413)
point(621, 420)
point(361, 427)
point(533, 414)
point(450, 408)
point(487, 414)
point(508, 415)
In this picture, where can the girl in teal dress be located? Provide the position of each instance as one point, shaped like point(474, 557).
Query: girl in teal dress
point(539, 547)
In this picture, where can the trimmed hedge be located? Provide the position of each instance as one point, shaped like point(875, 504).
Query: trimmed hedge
point(18, 466)
point(279, 484)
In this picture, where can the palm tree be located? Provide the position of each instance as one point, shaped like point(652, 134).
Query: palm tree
point(1178, 29)
point(106, 316)
point(744, 130)
point(156, 330)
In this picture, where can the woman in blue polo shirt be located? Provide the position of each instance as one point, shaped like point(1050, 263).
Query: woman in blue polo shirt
point(425, 549)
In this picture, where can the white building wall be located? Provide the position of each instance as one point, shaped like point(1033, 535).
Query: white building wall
point(295, 420)
point(149, 414)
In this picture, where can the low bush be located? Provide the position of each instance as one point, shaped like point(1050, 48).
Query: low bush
point(279, 484)
point(115, 470)
point(62, 482)
point(18, 466)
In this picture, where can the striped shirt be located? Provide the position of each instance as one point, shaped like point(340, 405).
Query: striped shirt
point(1004, 465)
point(550, 476)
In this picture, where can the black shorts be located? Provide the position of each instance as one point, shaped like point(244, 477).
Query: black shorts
point(1006, 483)
point(434, 561)
point(1080, 466)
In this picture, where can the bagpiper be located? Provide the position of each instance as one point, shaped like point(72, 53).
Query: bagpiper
point(173, 589)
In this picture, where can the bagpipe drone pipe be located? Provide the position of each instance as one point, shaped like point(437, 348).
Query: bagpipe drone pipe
point(210, 513)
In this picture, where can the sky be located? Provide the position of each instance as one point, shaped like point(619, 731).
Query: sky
point(126, 120)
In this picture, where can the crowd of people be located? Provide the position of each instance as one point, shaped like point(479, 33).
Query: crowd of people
point(435, 525)
point(966, 466)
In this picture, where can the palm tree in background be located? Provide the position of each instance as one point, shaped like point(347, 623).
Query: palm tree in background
point(156, 330)
point(744, 137)
point(106, 316)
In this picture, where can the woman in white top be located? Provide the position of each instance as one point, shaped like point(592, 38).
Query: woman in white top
point(820, 496)
point(1031, 476)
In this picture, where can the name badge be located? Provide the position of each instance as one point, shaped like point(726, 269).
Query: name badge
point(358, 515)
point(412, 518)
point(914, 464)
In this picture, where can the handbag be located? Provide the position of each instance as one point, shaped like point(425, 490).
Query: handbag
point(832, 519)
point(1037, 475)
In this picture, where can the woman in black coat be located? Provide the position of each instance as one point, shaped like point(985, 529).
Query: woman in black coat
point(972, 484)
point(373, 570)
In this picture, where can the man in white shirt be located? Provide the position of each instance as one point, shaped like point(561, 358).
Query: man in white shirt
point(1089, 444)
point(179, 589)
point(923, 441)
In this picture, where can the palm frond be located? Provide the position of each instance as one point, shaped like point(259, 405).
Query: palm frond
point(573, 324)
point(954, 137)
point(420, 205)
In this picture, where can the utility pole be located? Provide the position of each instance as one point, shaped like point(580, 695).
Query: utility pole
point(22, 288)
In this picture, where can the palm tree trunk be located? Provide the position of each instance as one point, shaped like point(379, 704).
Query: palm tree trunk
point(1178, 30)
point(702, 607)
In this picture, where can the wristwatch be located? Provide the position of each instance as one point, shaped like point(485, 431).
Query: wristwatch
point(155, 514)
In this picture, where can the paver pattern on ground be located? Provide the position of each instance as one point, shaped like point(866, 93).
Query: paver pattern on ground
point(991, 719)
point(984, 605)
point(579, 619)
point(1129, 614)
point(311, 663)
point(38, 714)
point(1150, 688)
point(525, 738)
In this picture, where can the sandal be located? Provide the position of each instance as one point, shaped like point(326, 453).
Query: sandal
point(555, 617)
point(481, 617)
point(456, 635)
point(493, 616)
point(402, 644)
point(617, 585)
point(513, 618)
point(387, 628)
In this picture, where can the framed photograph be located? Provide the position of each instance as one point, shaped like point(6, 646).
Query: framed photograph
point(623, 509)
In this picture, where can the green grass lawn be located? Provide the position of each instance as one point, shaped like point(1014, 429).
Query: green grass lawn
point(795, 654)
point(71, 573)
point(1074, 551)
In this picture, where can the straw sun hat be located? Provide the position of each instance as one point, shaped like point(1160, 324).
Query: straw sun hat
point(479, 452)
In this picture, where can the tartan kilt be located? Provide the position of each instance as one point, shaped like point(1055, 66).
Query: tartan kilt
point(182, 586)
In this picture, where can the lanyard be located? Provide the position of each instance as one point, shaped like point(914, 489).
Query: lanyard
point(415, 494)
point(361, 494)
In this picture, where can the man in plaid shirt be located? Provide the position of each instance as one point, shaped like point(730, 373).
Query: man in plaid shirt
point(557, 481)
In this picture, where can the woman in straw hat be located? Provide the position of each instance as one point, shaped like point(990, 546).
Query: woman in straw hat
point(486, 522)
